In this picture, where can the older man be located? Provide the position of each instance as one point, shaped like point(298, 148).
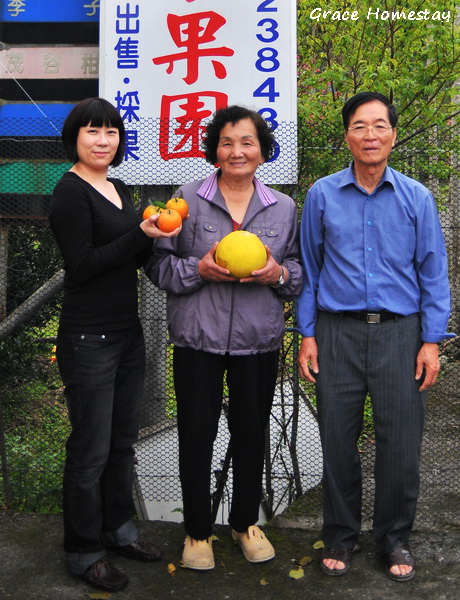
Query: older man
point(374, 306)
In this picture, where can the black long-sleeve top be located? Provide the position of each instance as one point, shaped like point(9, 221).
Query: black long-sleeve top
point(103, 247)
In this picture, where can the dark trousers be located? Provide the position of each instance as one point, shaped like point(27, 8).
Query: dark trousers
point(356, 359)
point(199, 379)
point(103, 377)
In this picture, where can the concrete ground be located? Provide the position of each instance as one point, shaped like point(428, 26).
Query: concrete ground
point(32, 567)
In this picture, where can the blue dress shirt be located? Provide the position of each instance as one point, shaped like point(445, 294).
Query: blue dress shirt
point(373, 252)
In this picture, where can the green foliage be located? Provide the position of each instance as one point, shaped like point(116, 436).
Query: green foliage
point(35, 422)
point(367, 432)
point(414, 62)
point(33, 258)
point(171, 408)
point(36, 451)
point(21, 372)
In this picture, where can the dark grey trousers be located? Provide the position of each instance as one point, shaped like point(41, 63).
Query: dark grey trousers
point(356, 359)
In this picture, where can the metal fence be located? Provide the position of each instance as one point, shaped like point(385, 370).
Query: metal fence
point(33, 419)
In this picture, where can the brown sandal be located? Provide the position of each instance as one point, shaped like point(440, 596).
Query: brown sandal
point(400, 556)
point(340, 554)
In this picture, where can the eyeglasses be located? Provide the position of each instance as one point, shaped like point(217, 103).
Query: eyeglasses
point(359, 131)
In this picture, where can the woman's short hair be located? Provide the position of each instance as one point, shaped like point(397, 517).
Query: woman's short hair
point(96, 112)
point(352, 104)
point(234, 114)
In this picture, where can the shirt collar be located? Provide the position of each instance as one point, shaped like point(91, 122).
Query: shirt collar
point(208, 189)
point(349, 177)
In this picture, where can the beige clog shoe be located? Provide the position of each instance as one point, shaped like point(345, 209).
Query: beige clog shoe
point(255, 546)
point(198, 554)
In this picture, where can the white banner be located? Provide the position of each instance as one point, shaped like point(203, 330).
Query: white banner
point(168, 65)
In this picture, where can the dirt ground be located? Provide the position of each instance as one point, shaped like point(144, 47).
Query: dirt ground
point(32, 567)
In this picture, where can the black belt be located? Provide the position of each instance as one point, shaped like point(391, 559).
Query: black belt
point(379, 317)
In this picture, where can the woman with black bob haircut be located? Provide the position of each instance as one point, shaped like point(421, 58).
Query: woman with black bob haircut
point(100, 344)
point(96, 112)
point(226, 329)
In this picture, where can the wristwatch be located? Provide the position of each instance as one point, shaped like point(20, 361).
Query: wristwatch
point(280, 281)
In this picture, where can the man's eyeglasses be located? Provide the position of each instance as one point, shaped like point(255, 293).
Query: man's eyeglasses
point(359, 131)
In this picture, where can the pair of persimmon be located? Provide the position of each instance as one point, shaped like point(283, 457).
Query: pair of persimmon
point(171, 217)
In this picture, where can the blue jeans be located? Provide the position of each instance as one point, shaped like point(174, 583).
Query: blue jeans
point(103, 376)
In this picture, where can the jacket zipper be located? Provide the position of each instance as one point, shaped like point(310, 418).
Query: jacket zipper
point(230, 325)
point(194, 234)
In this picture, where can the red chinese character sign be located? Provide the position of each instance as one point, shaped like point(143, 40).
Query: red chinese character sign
point(168, 66)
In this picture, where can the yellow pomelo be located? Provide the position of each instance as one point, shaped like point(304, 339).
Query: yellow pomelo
point(241, 252)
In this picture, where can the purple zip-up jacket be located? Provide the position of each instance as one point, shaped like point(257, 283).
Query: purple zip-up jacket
point(226, 316)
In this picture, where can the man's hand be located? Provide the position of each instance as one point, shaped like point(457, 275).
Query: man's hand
point(308, 357)
point(428, 362)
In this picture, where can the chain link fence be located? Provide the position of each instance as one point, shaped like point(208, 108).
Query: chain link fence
point(33, 417)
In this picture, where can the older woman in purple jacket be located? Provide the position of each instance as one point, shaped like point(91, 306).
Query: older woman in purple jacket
point(223, 325)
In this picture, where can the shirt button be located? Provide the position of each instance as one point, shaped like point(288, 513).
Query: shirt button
point(369, 222)
point(369, 249)
point(371, 275)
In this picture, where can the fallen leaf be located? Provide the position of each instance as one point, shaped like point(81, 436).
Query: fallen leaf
point(296, 573)
point(263, 581)
point(171, 569)
point(305, 560)
point(214, 538)
point(319, 544)
point(99, 595)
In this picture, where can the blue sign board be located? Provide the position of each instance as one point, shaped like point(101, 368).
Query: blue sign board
point(33, 120)
point(49, 11)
